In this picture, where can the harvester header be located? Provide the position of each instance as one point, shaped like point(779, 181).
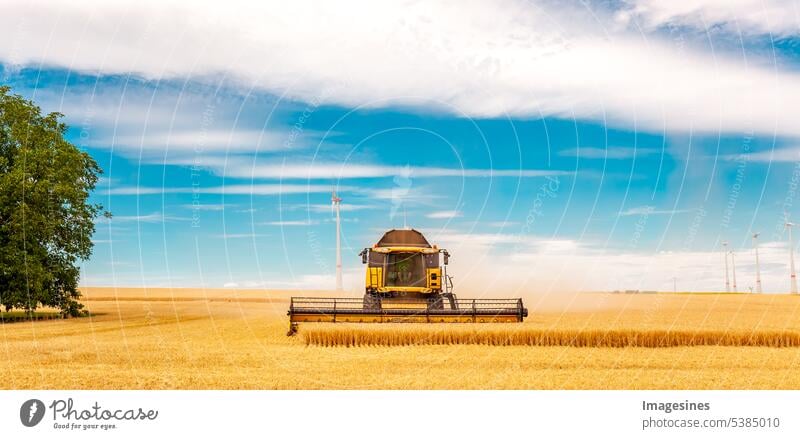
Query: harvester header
point(406, 281)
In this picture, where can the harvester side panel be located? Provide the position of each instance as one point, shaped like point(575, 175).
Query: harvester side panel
point(374, 278)
point(434, 278)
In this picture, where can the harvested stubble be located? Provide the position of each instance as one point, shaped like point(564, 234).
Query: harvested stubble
point(615, 338)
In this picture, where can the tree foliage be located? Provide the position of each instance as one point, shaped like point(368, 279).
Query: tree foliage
point(46, 219)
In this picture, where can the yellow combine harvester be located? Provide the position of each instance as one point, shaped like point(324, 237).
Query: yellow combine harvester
point(406, 282)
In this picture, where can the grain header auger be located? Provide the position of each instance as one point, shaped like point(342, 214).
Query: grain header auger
point(406, 282)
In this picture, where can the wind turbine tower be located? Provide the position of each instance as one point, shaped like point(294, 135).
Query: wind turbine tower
point(758, 265)
point(727, 279)
point(336, 201)
point(733, 266)
point(792, 273)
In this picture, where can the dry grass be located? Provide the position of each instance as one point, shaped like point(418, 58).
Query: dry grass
point(491, 335)
point(222, 339)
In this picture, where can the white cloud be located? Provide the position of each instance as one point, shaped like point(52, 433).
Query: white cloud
point(779, 17)
point(199, 140)
point(209, 207)
point(131, 190)
point(155, 217)
point(245, 168)
point(231, 189)
point(326, 208)
point(302, 223)
point(788, 154)
point(444, 214)
point(502, 223)
point(270, 189)
point(399, 195)
point(469, 58)
point(650, 210)
point(610, 153)
point(240, 235)
point(416, 194)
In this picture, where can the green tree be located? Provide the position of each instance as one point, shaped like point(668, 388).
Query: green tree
point(46, 220)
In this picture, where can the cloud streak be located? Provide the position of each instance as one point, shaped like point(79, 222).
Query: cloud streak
point(651, 210)
point(789, 154)
point(231, 189)
point(231, 140)
point(340, 171)
point(610, 153)
point(153, 218)
point(293, 223)
point(444, 214)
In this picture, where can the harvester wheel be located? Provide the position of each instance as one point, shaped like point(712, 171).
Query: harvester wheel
point(372, 302)
point(292, 329)
point(436, 303)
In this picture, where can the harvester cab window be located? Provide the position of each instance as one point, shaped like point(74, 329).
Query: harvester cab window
point(376, 259)
point(405, 269)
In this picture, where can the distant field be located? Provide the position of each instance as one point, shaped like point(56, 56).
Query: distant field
point(235, 339)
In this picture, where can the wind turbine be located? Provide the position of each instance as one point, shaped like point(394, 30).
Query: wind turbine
point(792, 273)
point(733, 265)
point(727, 279)
point(336, 201)
point(758, 266)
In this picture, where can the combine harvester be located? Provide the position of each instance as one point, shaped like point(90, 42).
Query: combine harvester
point(406, 282)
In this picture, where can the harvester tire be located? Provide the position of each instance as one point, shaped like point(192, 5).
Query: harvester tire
point(436, 303)
point(372, 302)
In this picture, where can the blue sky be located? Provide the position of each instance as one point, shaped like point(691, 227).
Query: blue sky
point(565, 146)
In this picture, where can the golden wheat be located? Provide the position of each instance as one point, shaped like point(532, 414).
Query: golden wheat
point(221, 339)
point(521, 336)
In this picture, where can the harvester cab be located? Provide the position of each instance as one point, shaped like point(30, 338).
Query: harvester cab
point(403, 268)
point(406, 281)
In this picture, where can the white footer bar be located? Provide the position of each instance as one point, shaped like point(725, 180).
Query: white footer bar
point(396, 414)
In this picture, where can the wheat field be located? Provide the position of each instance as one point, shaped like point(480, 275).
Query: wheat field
point(228, 339)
